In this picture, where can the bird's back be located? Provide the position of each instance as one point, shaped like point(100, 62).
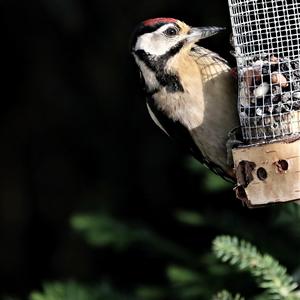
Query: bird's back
point(219, 106)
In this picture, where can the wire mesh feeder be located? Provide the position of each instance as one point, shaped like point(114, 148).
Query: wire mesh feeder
point(266, 36)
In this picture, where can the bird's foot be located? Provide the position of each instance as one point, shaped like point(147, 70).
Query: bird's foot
point(233, 142)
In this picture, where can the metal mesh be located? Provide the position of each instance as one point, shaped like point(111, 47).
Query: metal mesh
point(266, 36)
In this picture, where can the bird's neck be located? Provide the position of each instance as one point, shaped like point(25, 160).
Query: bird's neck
point(179, 84)
point(202, 77)
point(184, 105)
point(154, 70)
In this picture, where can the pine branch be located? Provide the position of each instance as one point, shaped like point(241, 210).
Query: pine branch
point(105, 231)
point(74, 291)
point(224, 295)
point(269, 274)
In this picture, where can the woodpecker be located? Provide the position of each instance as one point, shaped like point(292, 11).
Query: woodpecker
point(190, 92)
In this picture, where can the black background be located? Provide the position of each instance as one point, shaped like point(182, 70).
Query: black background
point(75, 136)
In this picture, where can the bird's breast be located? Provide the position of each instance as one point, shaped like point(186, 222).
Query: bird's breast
point(185, 107)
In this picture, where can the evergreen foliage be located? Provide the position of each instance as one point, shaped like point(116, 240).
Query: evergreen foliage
point(74, 291)
point(193, 277)
point(225, 295)
point(269, 274)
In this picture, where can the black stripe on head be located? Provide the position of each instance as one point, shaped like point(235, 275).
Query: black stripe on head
point(157, 64)
point(153, 62)
point(172, 52)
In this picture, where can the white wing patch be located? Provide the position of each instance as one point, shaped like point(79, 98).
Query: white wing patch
point(155, 120)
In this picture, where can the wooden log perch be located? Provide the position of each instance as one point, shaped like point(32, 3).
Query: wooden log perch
point(268, 173)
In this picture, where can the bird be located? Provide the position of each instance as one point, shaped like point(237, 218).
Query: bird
point(190, 91)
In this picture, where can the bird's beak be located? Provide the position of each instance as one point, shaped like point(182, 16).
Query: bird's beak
point(199, 33)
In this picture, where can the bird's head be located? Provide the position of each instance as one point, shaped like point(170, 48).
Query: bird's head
point(157, 37)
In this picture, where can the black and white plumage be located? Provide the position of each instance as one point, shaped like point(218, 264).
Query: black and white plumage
point(190, 92)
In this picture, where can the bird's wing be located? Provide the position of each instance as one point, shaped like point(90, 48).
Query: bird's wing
point(182, 136)
point(155, 120)
point(200, 53)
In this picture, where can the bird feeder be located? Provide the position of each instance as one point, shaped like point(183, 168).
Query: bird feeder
point(266, 37)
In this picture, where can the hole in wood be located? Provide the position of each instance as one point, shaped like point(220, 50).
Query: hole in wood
point(262, 174)
point(283, 165)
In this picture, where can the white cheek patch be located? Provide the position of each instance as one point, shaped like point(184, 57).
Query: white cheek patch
point(156, 43)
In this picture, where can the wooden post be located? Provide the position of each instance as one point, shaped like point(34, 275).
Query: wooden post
point(268, 173)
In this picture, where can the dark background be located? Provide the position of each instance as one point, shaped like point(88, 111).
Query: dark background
point(75, 136)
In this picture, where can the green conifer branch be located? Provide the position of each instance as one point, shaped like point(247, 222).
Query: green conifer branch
point(269, 274)
point(225, 295)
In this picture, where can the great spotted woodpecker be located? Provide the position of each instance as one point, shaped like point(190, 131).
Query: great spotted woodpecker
point(190, 92)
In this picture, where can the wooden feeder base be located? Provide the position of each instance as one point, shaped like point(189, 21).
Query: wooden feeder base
point(268, 173)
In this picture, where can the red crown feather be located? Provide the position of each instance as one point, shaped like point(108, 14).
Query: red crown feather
point(152, 22)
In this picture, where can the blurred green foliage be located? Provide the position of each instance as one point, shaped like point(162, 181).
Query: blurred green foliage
point(74, 291)
point(188, 279)
point(211, 182)
point(224, 295)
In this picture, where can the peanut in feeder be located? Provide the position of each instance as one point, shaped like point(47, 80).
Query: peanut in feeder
point(266, 36)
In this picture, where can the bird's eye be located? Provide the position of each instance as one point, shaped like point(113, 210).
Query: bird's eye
point(171, 31)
